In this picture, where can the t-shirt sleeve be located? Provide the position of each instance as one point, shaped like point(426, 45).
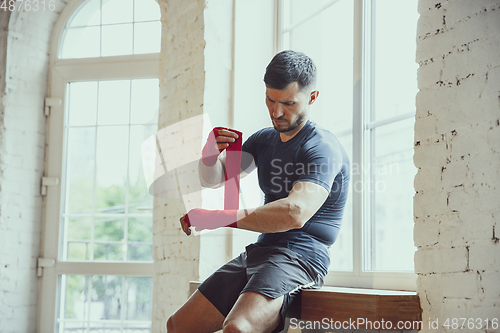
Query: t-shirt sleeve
point(321, 161)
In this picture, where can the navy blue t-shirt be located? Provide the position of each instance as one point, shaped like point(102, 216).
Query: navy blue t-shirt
point(314, 155)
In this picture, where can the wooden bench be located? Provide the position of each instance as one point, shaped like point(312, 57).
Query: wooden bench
point(346, 305)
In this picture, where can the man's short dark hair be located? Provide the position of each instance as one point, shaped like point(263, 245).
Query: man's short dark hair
point(290, 66)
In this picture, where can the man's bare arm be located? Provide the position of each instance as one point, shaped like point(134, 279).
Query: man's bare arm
point(281, 215)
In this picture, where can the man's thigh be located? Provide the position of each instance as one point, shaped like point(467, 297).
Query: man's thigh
point(254, 312)
point(197, 315)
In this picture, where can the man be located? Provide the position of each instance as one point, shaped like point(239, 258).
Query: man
point(304, 172)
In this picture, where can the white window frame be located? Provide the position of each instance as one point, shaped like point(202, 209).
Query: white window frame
point(363, 83)
point(61, 72)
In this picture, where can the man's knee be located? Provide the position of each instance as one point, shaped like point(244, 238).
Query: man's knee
point(237, 326)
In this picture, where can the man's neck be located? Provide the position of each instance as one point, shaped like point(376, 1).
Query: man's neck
point(285, 136)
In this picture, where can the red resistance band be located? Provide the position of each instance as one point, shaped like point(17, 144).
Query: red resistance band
point(213, 219)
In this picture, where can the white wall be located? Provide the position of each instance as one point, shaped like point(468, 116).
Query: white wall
point(182, 83)
point(24, 37)
point(457, 152)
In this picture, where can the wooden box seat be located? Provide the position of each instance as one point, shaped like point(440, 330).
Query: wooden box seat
point(346, 305)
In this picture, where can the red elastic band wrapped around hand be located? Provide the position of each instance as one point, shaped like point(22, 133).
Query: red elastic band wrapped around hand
point(211, 219)
point(210, 152)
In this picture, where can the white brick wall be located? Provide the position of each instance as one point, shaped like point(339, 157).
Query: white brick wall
point(182, 80)
point(24, 39)
point(457, 134)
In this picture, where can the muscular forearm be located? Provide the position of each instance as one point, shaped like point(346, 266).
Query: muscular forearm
point(277, 216)
point(288, 213)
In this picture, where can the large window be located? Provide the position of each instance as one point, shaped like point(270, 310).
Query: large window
point(99, 222)
point(105, 190)
point(365, 51)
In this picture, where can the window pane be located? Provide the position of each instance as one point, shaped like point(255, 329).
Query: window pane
point(392, 230)
point(145, 101)
point(117, 39)
point(114, 102)
point(139, 197)
point(106, 298)
point(146, 10)
point(88, 14)
point(105, 303)
point(81, 42)
point(109, 239)
point(140, 230)
point(117, 11)
point(147, 37)
point(82, 103)
point(108, 251)
point(80, 170)
point(75, 297)
point(111, 177)
point(109, 229)
point(333, 29)
point(140, 239)
point(138, 300)
point(78, 238)
point(300, 9)
point(395, 66)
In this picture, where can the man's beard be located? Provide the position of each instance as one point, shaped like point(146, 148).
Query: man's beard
point(301, 118)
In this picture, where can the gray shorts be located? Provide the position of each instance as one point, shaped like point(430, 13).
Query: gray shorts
point(272, 271)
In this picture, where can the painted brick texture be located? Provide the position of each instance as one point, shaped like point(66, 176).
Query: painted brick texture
point(24, 39)
point(182, 82)
point(457, 135)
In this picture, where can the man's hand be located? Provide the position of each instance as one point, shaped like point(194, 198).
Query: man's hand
point(225, 137)
point(208, 219)
point(185, 226)
point(217, 141)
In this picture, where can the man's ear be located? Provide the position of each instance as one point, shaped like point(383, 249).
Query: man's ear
point(313, 96)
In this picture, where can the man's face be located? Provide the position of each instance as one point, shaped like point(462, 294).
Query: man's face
point(289, 108)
